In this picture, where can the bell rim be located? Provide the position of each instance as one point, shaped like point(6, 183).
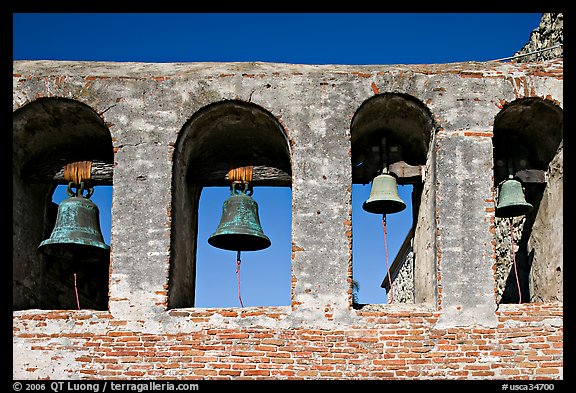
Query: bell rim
point(260, 242)
point(75, 252)
point(393, 206)
point(505, 211)
point(51, 241)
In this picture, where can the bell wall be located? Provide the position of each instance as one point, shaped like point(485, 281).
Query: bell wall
point(456, 328)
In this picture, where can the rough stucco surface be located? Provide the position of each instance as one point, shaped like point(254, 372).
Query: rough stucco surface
point(547, 238)
point(466, 264)
point(145, 106)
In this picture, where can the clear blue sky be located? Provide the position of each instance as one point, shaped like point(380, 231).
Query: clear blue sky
point(298, 38)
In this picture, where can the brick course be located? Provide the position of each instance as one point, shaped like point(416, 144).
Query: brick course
point(526, 344)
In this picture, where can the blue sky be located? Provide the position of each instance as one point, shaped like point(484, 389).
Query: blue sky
point(297, 38)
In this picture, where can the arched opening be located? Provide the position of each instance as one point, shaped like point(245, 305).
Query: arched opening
point(527, 147)
point(220, 137)
point(391, 134)
point(48, 134)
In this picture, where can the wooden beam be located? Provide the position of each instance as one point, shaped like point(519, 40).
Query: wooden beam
point(532, 176)
point(261, 176)
point(102, 174)
point(406, 173)
point(53, 172)
point(526, 176)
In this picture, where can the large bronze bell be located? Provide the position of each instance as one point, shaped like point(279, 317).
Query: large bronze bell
point(239, 228)
point(384, 198)
point(511, 199)
point(76, 235)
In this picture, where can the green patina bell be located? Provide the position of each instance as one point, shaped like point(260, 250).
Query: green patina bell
point(511, 199)
point(76, 234)
point(239, 228)
point(384, 198)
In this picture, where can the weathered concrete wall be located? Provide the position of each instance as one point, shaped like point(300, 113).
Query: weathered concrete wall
point(145, 107)
point(505, 273)
point(424, 246)
point(546, 243)
point(466, 258)
point(403, 279)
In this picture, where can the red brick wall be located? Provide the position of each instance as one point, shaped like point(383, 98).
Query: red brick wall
point(526, 344)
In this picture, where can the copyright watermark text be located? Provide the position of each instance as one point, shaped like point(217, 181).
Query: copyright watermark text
point(527, 386)
point(102, 386)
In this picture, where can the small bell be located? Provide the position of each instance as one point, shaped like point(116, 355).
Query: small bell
point(76, 234)
point(239, 228)
point(511, 199)
point(384, 198)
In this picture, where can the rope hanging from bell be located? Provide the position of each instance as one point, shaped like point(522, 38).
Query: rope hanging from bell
point(76, 173)
point(384, 199)
point(512, 203)
point(513, 255)
point(242, 175)
point(239, 228)
point(386, 252)
point(238, 277)
point(74, 229)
